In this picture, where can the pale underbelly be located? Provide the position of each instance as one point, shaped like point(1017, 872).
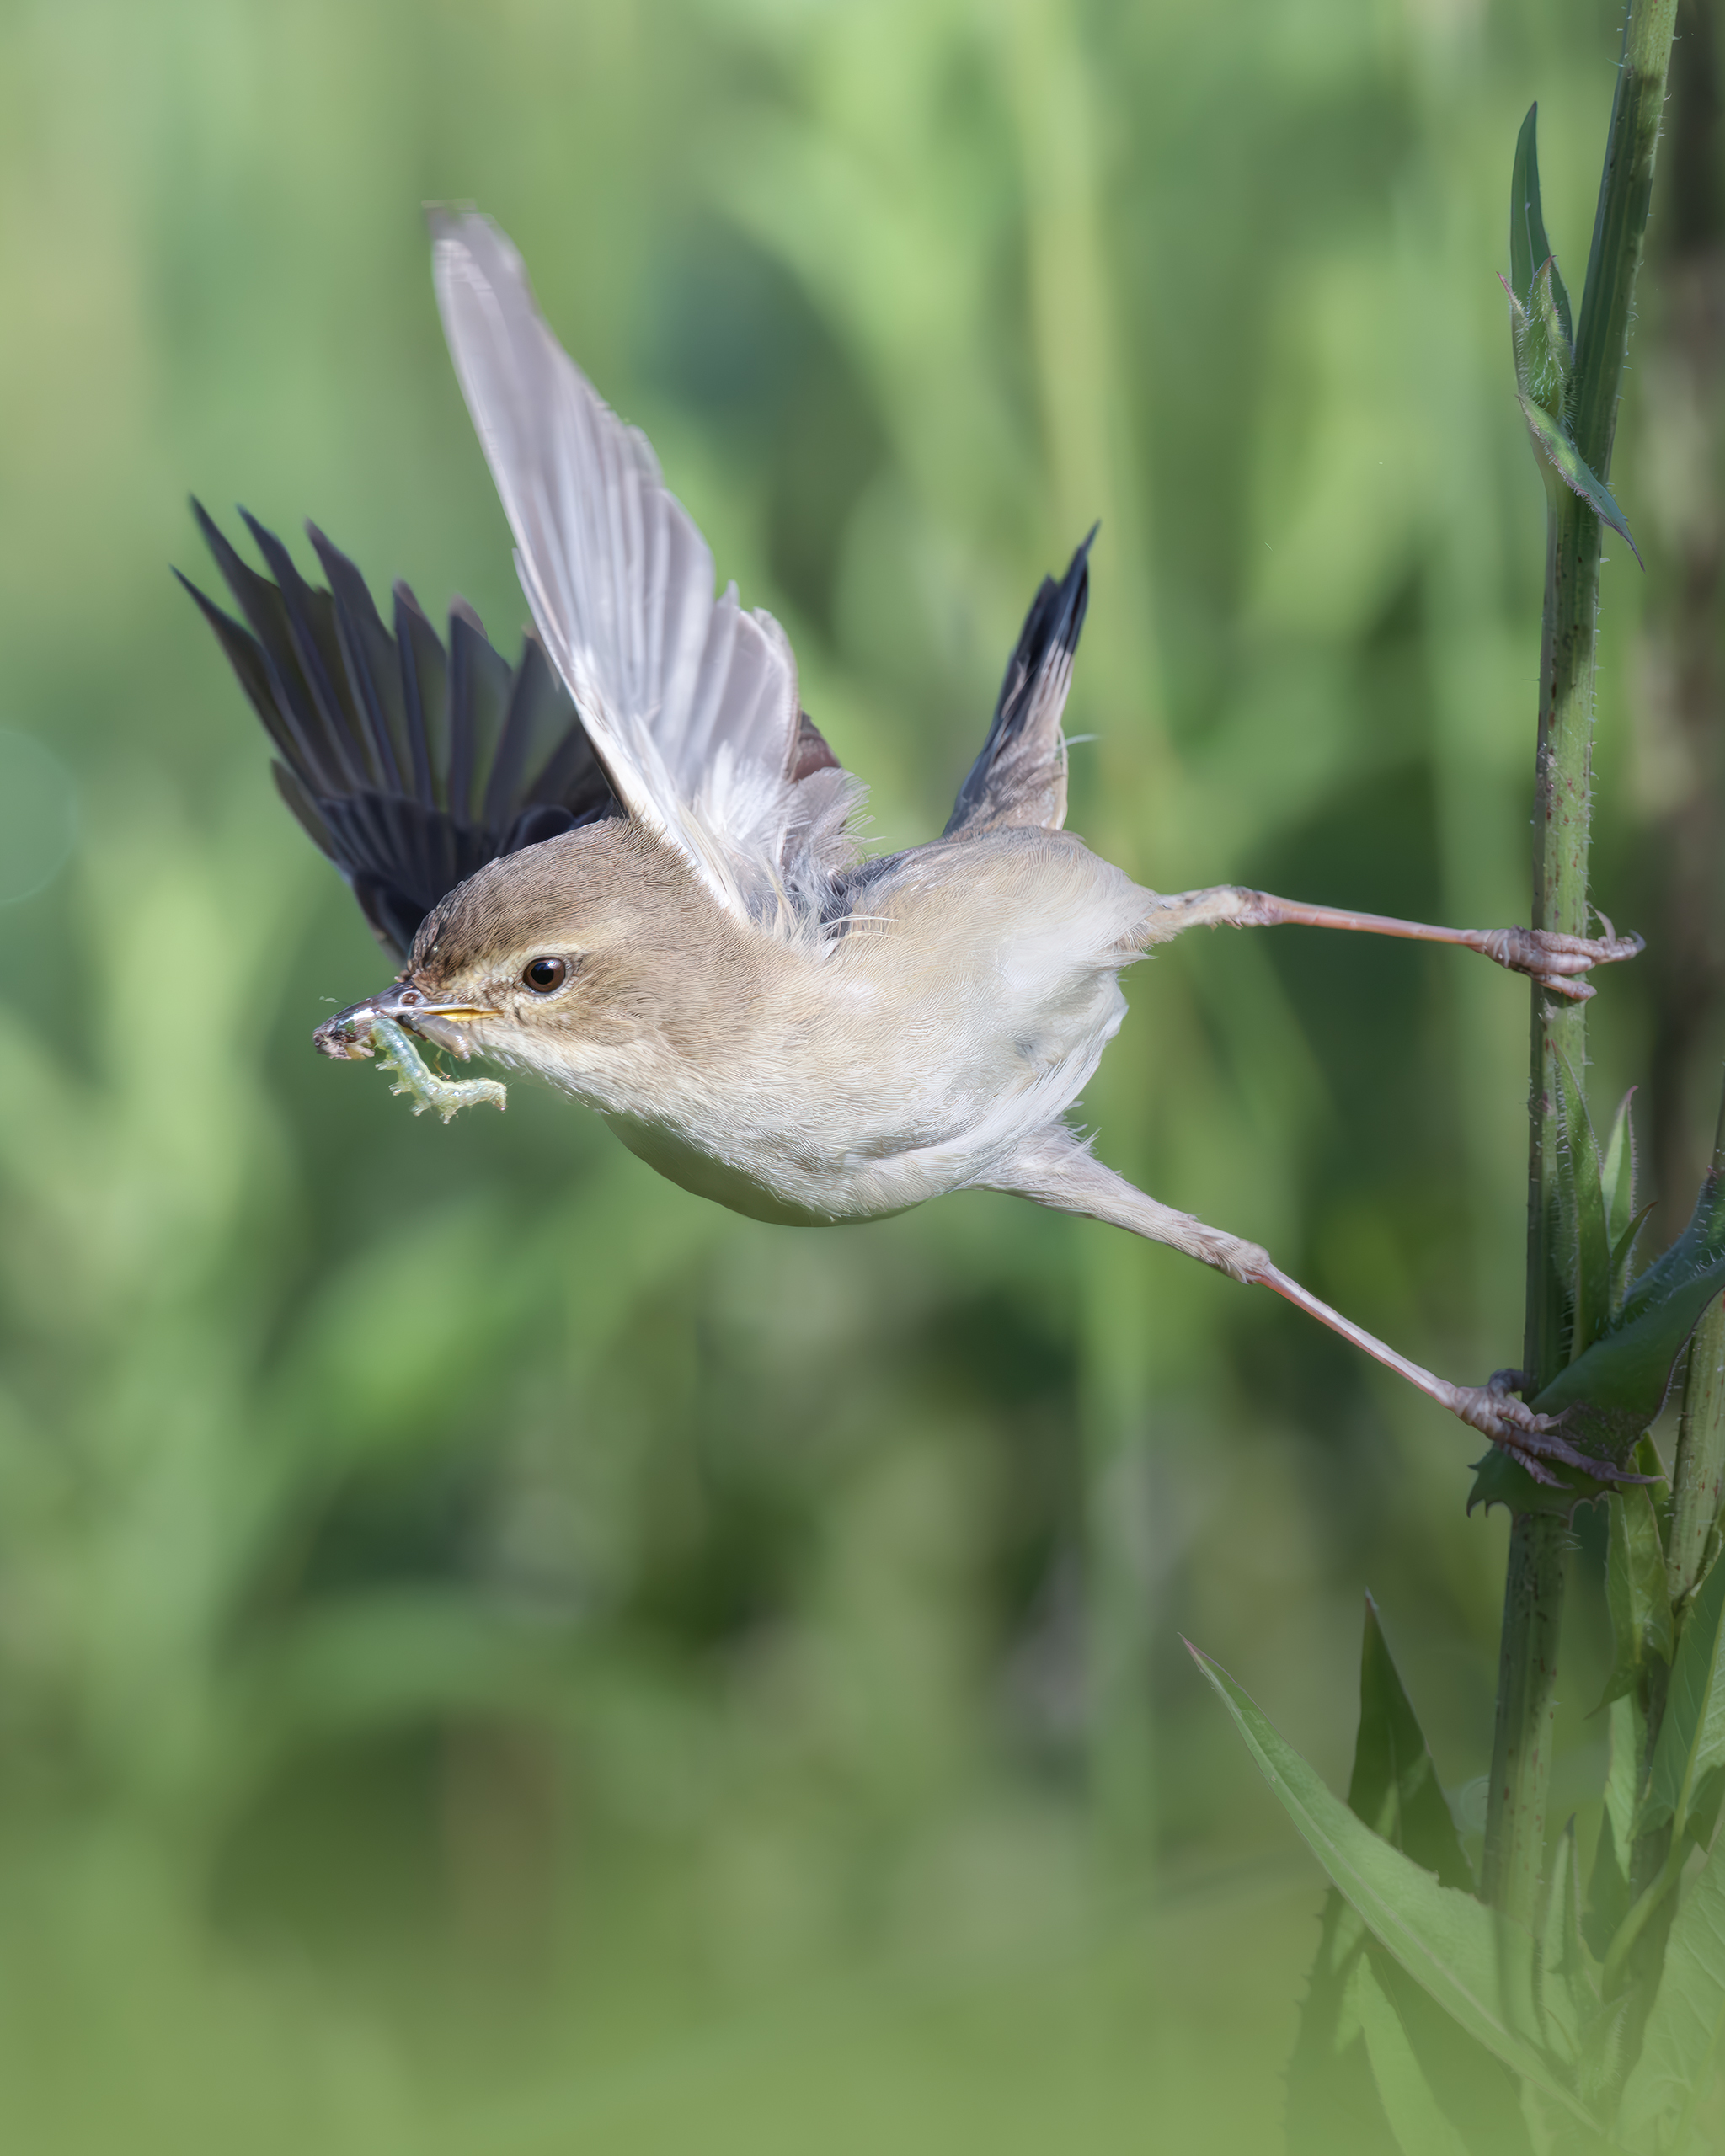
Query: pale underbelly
point(839, 1198)
point(804, 1149)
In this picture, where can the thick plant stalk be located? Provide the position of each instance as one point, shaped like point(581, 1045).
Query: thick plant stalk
point(1527, 1711)
point(1533, 1595)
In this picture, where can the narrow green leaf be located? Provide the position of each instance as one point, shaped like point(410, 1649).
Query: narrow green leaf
point(1567, 1975)
point(1581, 1208)
point(1552, 442)
point(1617, 1172)
point(1528, 245)
point(1687, 2025)
point(1410, 2103)
point(1472, 1960)
point(1395, 1788)
point(1637, 1590)
point(1691, 1739)
point(1622, 1250)
point(1608, 1893)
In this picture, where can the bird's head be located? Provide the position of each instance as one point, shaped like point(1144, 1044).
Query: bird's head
point(568, 958)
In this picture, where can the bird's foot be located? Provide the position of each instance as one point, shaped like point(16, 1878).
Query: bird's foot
point(1533, 1439)
point(421, 1083)
point(1557, 962)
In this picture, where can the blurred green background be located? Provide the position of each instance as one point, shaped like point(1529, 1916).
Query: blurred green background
point(495, 1655)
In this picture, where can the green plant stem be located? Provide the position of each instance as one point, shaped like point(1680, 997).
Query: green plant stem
point(1533, 1593)
point(1652, 1900)
point(1527, 1708)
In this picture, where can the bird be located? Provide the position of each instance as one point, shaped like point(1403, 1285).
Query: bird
point(629, 865)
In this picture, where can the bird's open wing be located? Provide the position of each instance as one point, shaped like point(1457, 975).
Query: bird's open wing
point(409, 764)
point(691, 701)
point(1021, 776)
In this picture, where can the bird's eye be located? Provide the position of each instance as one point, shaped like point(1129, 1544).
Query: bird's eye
point(543, 974)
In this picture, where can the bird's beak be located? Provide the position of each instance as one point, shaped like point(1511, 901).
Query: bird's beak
point(349, 1033)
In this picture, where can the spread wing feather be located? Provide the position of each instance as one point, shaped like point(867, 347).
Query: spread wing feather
point(1021, 776)
point(691, 701)
point(410, 765)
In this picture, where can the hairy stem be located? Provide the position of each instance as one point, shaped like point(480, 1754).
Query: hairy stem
point(1527, 1707)
point(1533, 1595)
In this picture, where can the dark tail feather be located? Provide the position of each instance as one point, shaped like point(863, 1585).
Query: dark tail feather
point(1021, 776)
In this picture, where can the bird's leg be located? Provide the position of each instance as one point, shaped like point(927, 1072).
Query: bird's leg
point(1491, 1408)
point(1053, 1168)
point(1556, 962)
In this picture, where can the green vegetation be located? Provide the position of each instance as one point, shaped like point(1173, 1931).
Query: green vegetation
point(497, 1655)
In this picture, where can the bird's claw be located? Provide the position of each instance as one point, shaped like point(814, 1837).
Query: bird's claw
point(1557, 962)
point(1533, 1439)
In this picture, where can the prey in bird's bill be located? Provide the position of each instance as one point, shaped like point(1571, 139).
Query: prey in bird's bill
point(627, 865)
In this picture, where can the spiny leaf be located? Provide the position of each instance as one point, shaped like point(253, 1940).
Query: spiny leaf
point(1552, 442)
point(1622, 1379)
point(1611, 1393)
point(1637, 1590)
point(1697, 1255)
point(1395, 1788)
point(1528, 244)
point(1500, 1479)
point(1473, 1961)
point(1332, 2098)
point(1687, 2025)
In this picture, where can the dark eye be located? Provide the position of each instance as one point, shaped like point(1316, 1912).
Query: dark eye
point(544, 974)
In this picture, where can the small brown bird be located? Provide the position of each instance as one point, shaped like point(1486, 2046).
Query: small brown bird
point(628, 864)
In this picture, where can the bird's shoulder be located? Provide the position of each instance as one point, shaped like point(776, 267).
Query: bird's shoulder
point(1025, 866)
point(972, 901)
